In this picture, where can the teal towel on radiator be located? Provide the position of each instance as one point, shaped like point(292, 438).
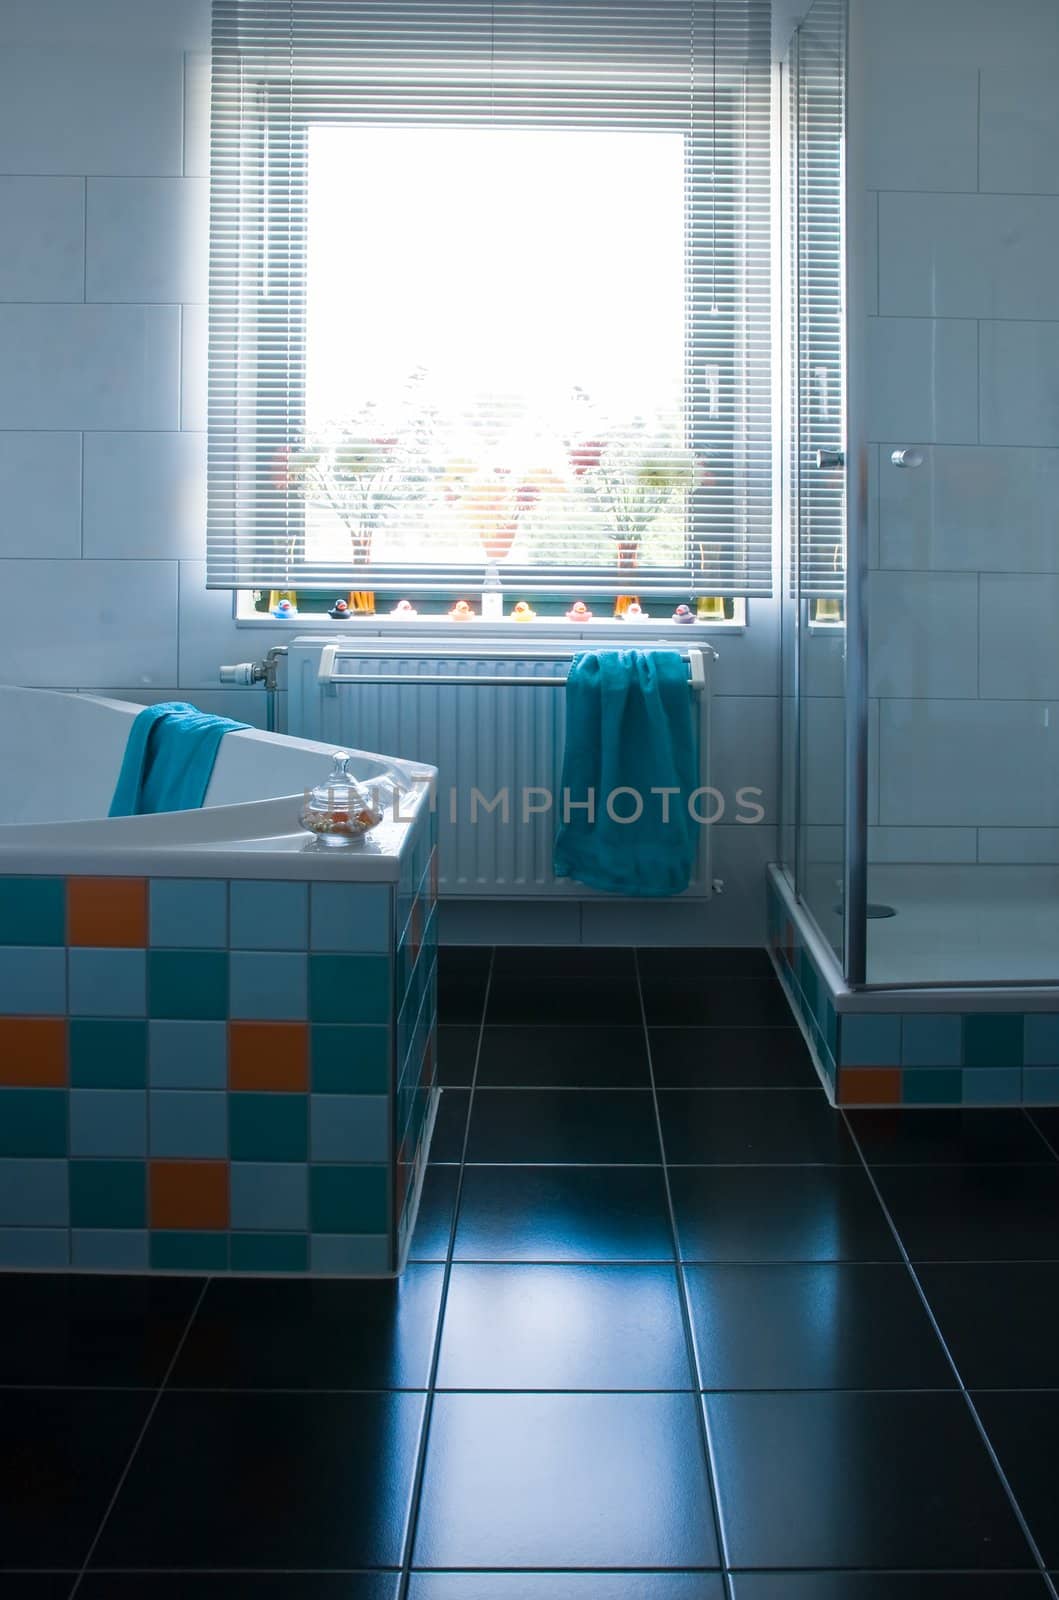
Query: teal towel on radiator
point(168, 760)
point(628, 726)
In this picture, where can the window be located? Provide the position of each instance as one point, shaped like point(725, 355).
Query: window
point(489, 285)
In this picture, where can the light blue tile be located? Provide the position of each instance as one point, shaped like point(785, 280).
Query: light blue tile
point(965, 503)
point(348, 1127)
point(992, 1086)
point(269, 916)
point(1020, 127)
point(145, 495)
point(40, 485)
point(931, 1041)
point(119, 625)
point(921, 126)
point(923, 380)
point(949, 762)
point(267, 1194)
point(189, 913)
point(924, 633)
point(1020, 397)
point(34, 1193)
point(350, 1254)
point(968, 255)
point(81, 366)
point(189, 1123)
point(110, 1249)
point(108, 983)
point(1041, 1039)
point(108, 1122)
point(350, 916)
point(1040, 1086)
point(188, 1055)
point(870, 1039)
point(147, 240)
point(1020, 644)
point(1019, 846)
point(34, 1247)
point(32, 981)
point(269, 988)
point(43, 256)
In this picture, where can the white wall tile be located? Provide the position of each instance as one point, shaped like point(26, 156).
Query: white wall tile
point(923, 633)
point(84, 623)
point(972, 507)
point(90, 109)
point(968, 255)
point(1023, 846)
point(1020, 383)
point(43, 255)
point(179, 24)
point(927, 845)
point(209, 637)
point(147, 239)
point(145, 494)
point(969, 763)
point(196, 115)
point(748, 663)
point(194, 348)
point(1020, 640)
point(922, 379)
point(71, 366)
point(40, 494)
point(744, 753)
point(921, 127)
point(1021, 34)
point(1020, 128)
point(242, 705)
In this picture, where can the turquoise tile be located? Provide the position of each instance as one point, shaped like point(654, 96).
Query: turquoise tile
point(32, 982)
point(349, 1059)
point(107, 1054)
point(349, 988)
point(269, 916)
point(350, 916)
point(932, 1086)
point(351, 1254)
point(34, 1194)
point(189, 913)
point(1040, 1086)
point(189, 1055)
point(870, 1039)
point(268, 1127)
point(931, 1041)
point(190, 1123)
point(108, 1194)
point(108, 1122)
point(108, 983)
point(1041, 1039)
point(110, 1249)
point(349, 1127)
point(32, 911)
point(188, 985)
point(349, 1199)
point(830, 1025)
point(270, 1195)
point(33, 1122)
point(992, 1039)
point(34, 1247)
point(992, 1086)
point(188, 1252)
point(270, 1252)
point(269, 987)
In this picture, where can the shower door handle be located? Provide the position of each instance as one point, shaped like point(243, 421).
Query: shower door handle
point(909, 457)
point(826, 459)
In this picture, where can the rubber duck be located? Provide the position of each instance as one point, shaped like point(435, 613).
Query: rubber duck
point(461, 612)
point(340, 611)
point(683, 614)
point(523, 612)
point(283, 608)
point(578, 612)
point(404, 608)
point(634, 612)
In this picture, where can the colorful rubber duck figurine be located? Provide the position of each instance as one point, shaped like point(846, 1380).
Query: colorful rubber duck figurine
point(578, 612)
point(523, 612)
point(461, 612)
point(634, 612)
point(683, 614)
point(340, 611)
point(283, 609)
point(404, 608)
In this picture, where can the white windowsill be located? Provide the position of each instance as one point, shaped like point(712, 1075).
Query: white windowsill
point(544, 628)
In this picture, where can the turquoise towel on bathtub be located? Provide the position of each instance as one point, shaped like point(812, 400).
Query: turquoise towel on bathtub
point(168, 760)
point(628, 726)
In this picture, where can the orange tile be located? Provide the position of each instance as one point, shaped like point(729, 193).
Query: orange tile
point(33, 1052)
point(107, 912)
point(876, 1086)
point(268, 1055)
point(189, 1194)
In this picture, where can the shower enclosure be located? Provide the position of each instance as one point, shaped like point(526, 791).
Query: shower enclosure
point(914, 915)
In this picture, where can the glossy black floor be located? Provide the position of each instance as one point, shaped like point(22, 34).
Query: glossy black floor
point(673, 1330)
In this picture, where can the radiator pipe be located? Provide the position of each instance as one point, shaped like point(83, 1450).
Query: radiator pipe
point(264, 671)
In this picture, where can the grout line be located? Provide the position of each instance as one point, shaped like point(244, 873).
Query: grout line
point(140, 1436)
point(958, 1375)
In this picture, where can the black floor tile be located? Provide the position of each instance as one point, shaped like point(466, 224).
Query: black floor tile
point(1024, 1431)
point(62, 1452)
point(986, 1213)
point(766, 1126)
point(461, 961)
point(437, 1206)
point(566, 1586)
point(38, 1585)
point(327, 1334)
point(703, 962)
point(819, 1326)
point(241, 1586)
point(577, 1480)
point(565, 961)
point(763, 1214)
point(269, 1482)
point(563, 1125)
point(81, 1330)
point(569, 1327)
point(1046, 1120)
point(564, 1058)
point(457, 1049)
point(731, 1058)
point(574, 1002)
point(859, 1480)
point(715, 1002)
point(446, 1144)
point(463, 974)
point(563, 1214)
point(911, 1137)
point(888, 1586)
point(1000, 1321)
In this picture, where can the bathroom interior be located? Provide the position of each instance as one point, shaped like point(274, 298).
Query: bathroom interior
point(416, 1182)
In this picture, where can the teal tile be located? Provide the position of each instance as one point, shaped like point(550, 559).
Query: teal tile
point(269, 916)
point(189, 985)
point(32, 982)
point(349, 1199)
point(108, 1194)
point(189, 913)
point(189, 1123)
point(34, 1247)
point(349, 988)
point(108, 1122)
point(189, 1252)
point(270, 1195)
point(1041, 1039)
point(33, 1122)
point(932, 1041)
point(351, 1254)
point(268, 986)
point(108, 983)
point(108, 1054)
point(349, 1127)
point(870, 1039)
point(350, 916)
point(270, 1252)
point(34, 1194)
point(189, 1055)
point(349, 1059)
point(992, 1086)
point(110, 1249)
point(932, 1086)
point(32, 911)
point(992, 1039)
point(1040, 1086)
point(268, 1127)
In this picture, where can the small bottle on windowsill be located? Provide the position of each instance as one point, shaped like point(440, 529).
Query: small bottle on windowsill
point(492, 596)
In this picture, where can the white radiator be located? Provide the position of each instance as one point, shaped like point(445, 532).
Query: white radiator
point(490, 726)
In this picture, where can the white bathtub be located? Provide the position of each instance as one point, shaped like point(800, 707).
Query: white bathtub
point(60, 762)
